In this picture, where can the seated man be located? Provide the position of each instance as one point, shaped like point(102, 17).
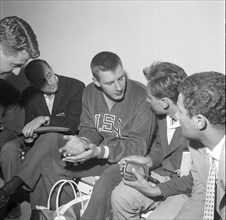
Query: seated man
point(48, 101)
point(201, 104)
point(18, 44)
point(166, 152)
point(114, 122)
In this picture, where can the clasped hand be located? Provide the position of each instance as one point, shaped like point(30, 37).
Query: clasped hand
point(77, 151)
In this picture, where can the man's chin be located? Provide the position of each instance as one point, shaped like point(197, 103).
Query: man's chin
point(119, 98)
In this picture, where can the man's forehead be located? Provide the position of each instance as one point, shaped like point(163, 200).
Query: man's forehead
point(111, 75)
point(20, 58)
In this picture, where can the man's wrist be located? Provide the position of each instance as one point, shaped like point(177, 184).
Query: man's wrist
point(149, 162)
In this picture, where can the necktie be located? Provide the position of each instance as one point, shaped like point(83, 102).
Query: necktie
point(210, 192)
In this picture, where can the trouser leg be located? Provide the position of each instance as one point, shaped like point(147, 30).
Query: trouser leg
point(10, 158)
point(45, 145)
point(169, 208)
point(100, 202)
point(7, 135)
point(128, 203)
point(54, 169)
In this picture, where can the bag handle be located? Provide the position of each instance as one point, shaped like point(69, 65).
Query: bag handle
point(54, 186)
point(71, 182)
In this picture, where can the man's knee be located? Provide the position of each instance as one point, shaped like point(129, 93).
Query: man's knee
point(10, 151)
point(122, 197)
point(117, 199)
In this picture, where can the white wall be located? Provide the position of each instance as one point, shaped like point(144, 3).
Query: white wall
point(70, 33)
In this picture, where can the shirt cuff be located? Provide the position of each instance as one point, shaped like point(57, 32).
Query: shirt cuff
point(104, 152)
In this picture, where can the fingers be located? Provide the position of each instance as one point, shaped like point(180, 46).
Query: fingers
point(77, 158)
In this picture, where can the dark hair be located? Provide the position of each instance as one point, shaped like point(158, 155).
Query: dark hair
point(104, 61)
point(17, 35)
point(163, 79)
point(32, 65)
point(204, 93)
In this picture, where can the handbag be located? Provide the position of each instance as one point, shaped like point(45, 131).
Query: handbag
point(72, 210)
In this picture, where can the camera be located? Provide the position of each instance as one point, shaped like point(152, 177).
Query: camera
point(141, 168)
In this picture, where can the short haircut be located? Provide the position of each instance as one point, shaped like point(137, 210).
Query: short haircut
point(31, 66)
point(204, 93)
point(163, 79)
point(17, 35)
point(104, 61)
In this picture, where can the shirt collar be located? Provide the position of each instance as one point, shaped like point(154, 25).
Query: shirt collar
point(216, 152)
point(171, 123)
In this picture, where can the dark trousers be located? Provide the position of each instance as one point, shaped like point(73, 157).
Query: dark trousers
point(100, 202)
point(43, 167)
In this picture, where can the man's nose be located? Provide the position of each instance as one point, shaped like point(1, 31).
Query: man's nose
point(49, 82)
point(118, 87)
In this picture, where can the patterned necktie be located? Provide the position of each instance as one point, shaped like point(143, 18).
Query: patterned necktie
point(210, 192)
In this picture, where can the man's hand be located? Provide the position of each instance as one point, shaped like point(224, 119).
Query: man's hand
point(137, 158)
point(142, 185)
point(74, 146)
point(91, 151)
point(28, 130)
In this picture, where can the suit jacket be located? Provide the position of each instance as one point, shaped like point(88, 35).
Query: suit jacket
point(67, 106)
point(194, 207)
point(11, 113)
point(167, 157)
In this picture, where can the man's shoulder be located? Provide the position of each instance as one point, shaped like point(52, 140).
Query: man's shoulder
point(137, 84)
point(91, 87)
point(136, 89)
point(30, 90)
point(29, 93)
point(5, 86)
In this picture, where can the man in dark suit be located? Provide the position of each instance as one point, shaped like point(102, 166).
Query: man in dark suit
point(52, 100)
point(18, 44)
point(165, 156)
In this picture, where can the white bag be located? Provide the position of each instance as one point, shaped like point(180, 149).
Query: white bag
point(66, 211)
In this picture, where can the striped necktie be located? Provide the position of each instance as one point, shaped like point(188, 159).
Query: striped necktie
point(210, 192)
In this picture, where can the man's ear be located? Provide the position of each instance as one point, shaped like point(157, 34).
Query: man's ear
point(96, 82)
point(201, 122)
point(165, 102)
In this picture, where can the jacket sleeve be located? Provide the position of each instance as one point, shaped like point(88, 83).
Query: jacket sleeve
point(156, 152)
point(29, 109)
point(175, 186)
point(74, 110)
point(139, 137)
